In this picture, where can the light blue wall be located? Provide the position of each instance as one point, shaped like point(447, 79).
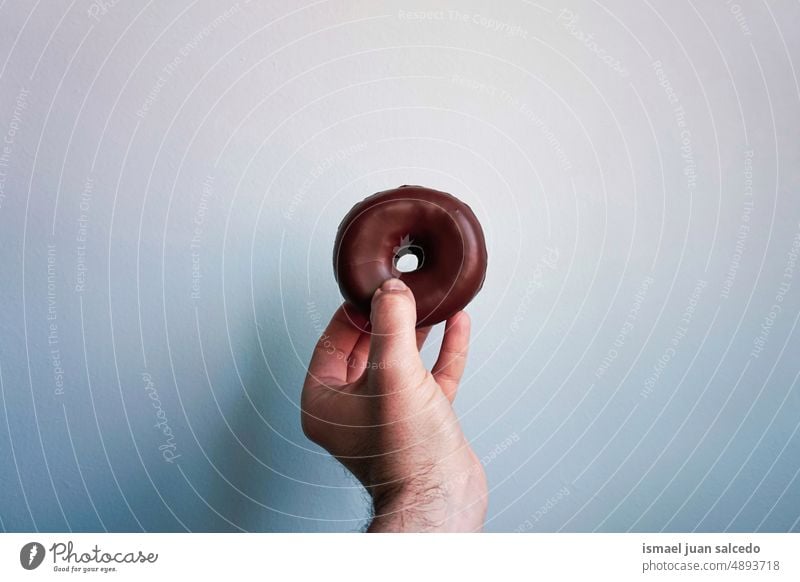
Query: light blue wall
point(172, 179)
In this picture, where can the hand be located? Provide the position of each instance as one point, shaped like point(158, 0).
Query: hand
point(370, 402)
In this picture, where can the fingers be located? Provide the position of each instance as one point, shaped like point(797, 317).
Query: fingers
point(389, 343)
point(357, 362)
point(393, 346)
point(450, 364)
point(328, 364)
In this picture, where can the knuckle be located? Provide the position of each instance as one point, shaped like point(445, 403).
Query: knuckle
point(392, 301)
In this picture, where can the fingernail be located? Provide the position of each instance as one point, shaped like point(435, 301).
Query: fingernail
point(393, 285)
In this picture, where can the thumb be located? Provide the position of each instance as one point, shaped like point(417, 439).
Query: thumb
point(393, 350)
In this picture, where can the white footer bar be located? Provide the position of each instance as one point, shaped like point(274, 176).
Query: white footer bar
point(348, 557)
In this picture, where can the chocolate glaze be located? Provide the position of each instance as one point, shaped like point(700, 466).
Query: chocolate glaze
point(437, 227)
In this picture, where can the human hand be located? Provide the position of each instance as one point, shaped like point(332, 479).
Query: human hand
point(370, 402)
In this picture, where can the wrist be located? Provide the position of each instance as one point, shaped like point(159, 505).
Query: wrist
point(452, 503)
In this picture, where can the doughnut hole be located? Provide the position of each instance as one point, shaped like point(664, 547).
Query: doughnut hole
point(409, 259)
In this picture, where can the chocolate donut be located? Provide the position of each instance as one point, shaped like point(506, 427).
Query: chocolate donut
point(437, 228)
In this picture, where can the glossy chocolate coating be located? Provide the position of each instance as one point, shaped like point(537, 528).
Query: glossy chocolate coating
point(437, 227)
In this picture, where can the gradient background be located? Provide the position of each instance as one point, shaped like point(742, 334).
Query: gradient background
point(171, 178)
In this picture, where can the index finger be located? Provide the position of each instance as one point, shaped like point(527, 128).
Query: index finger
point(328, 364)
